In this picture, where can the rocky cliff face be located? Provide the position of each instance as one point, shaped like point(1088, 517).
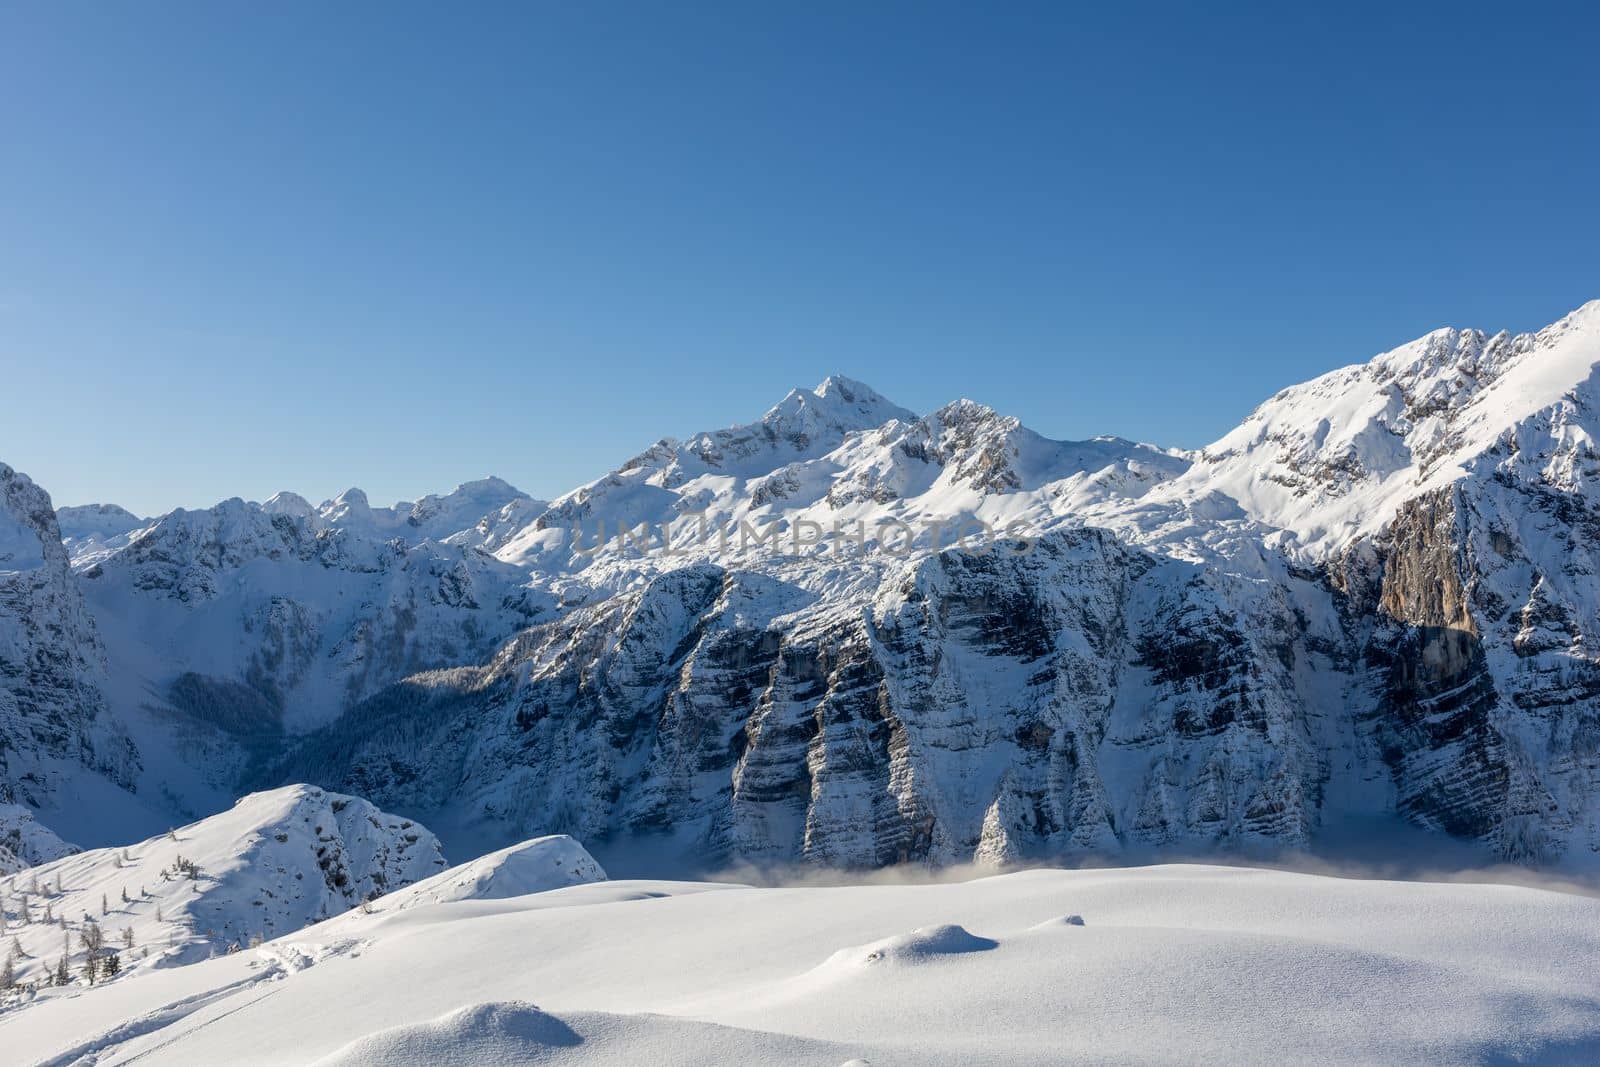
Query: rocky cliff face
point(52, 711)
point(1075, 697)
point(1478, 604)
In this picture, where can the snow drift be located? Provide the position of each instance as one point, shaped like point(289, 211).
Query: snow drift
point(535, 866)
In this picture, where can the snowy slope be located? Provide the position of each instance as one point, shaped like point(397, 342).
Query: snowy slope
point(271, 864)
point(1170, 965)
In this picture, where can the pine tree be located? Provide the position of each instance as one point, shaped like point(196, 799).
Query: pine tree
point(105, 905)
point(111, 967)
point(127, 937)
point(93, 938)
point(8, 971)
point(94, 941)
point(48, 918)
point(124, 894)
point(62, 976)
point(159, 919)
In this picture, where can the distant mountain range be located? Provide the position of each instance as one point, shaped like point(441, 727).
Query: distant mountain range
point(847, 634)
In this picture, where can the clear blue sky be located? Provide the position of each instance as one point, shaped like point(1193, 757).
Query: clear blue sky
point(307, 246)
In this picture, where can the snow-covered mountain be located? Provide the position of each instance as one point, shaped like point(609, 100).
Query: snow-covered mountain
point(91, 532)
point(431, 518)
point(308, 614)
point(847, 634)
point(271, 864)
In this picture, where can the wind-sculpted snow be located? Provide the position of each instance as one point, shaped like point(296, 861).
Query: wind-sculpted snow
point(270, 865)
point(1170, 964)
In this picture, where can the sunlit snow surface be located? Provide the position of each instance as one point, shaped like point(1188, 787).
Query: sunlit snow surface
point(1171, 964)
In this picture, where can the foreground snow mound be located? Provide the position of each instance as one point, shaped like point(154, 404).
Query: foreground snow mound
point(534, 866)
point(506, 1032)
point(24, 841)
point(919, 946)
point(499, 1033)
point(276, 862)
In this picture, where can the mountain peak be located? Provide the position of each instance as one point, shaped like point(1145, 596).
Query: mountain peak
point(287, 503)
point(487, 484)
point(848, 389)
point(840, 402)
